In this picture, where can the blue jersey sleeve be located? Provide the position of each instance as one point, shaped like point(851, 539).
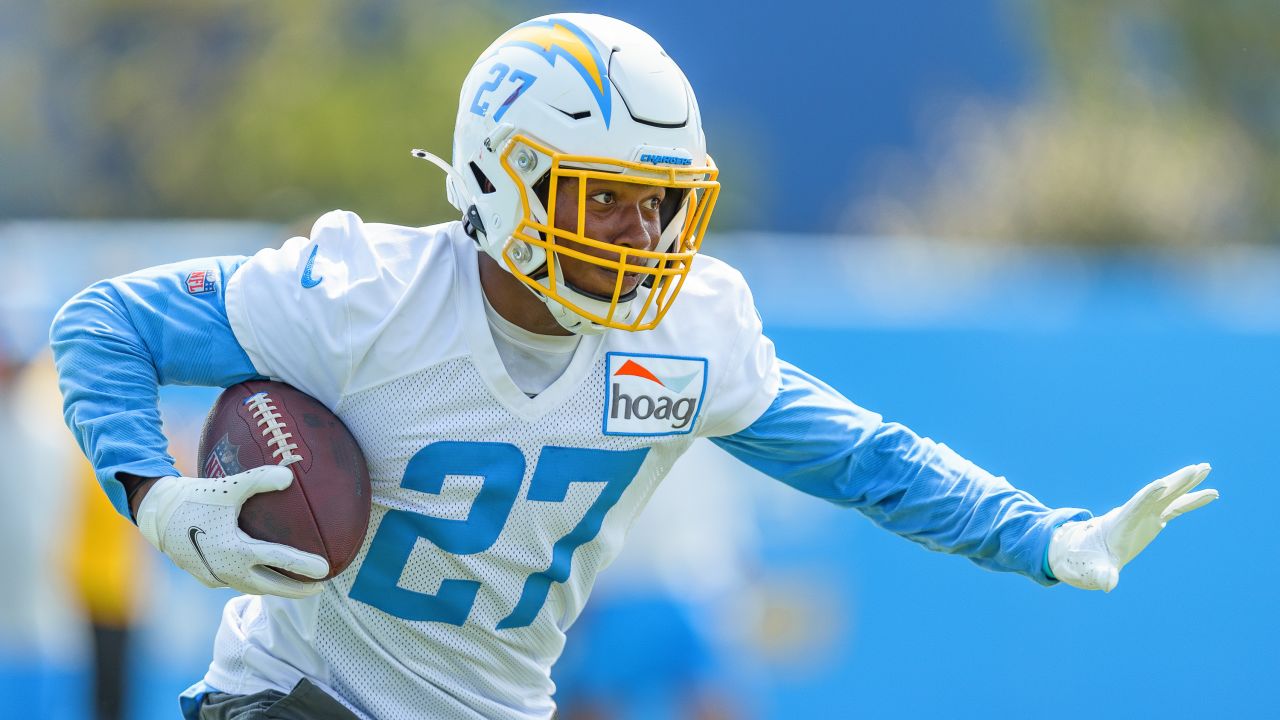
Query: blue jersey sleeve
point(815, 440)
point(117, 341)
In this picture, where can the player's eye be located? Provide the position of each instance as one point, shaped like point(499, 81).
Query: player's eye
point(604, 197)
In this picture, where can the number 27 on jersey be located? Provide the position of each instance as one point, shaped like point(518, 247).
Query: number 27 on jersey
point(502, 467)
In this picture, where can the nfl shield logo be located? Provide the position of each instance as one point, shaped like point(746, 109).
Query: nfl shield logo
point(201, 281)
point(223, 460)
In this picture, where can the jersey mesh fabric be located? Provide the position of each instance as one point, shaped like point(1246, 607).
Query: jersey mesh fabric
point(384, 665)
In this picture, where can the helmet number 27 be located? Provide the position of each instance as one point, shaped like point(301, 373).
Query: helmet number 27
point(502, 468)
point(501, 71)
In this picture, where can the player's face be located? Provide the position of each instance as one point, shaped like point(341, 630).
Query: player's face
point(618, 213)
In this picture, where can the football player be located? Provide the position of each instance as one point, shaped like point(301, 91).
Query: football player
point(520, 380)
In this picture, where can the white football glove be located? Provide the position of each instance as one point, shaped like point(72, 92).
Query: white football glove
point(195, 522)
point(1088, 554)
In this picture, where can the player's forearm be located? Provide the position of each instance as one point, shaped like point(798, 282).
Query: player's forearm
point(109, 389)
point(115, 343)
point(927, 493)
point(817, 441)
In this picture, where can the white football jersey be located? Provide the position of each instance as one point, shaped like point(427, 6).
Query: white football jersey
point(493, 512)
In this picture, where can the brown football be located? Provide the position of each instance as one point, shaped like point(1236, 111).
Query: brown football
point(325, 510)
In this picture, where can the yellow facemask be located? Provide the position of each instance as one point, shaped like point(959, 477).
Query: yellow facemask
point(662, 271)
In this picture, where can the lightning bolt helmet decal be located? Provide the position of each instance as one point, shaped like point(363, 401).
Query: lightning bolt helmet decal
point(555, 37)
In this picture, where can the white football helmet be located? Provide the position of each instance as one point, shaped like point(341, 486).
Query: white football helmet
point(585, 97)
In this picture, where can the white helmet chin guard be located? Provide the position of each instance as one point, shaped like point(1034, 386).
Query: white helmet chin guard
point(582, 97)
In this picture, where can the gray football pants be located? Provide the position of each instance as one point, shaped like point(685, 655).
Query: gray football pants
point(304, 702)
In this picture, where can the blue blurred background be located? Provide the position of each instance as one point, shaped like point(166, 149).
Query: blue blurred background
point(1043, 233)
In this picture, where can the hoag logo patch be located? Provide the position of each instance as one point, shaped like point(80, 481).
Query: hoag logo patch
point(652, 394)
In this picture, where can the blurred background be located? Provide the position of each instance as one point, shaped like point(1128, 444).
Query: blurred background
point(1045, 233)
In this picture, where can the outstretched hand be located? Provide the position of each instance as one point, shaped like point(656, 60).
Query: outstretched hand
point(1088, 554)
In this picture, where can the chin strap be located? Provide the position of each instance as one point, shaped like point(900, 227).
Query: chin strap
point(571, 321)
point(574, 322)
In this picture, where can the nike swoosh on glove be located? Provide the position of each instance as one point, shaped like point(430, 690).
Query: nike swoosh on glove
point(195, 521)
point(1089, 554)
